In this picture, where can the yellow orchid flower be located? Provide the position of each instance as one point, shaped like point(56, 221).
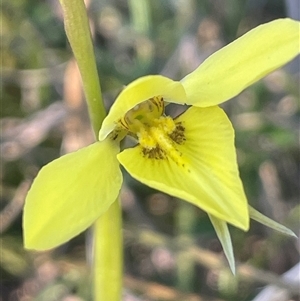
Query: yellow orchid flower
point(191, 157)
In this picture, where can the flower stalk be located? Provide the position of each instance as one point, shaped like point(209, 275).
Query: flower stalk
point(108, 259)
point(79, 36)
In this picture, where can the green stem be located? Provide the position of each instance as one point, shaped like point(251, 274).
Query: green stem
point(109, 257)
point(140, 15)
point(79, 35)
point(107, 230)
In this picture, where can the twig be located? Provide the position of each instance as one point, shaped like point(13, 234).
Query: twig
point(280, 294)
point(19, 139)
point(158, 291)
point(271, 184)
point(14, 207)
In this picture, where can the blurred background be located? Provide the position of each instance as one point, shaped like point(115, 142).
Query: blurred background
point(171, 251)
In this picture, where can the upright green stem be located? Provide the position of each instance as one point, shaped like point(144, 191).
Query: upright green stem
point(107, 231)
point(79, 35)
point(140, 15)
point(108, 257)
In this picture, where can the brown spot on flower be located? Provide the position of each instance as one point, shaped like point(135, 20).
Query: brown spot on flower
point(154, 153)
point(178, 134)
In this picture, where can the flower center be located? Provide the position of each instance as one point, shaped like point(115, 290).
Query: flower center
point(158, 135)
point(143, 114)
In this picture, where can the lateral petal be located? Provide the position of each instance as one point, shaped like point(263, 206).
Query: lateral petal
point(236, 66)
point(223, 234)
point(138, 91)
point(206, 173)
point(69, 194)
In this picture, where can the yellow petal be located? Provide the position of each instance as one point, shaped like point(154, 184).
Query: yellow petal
point(223, 234)
point(259, 217)
point(203, 170)
point(246, 60)
point(138, 91)
point(69, 194)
